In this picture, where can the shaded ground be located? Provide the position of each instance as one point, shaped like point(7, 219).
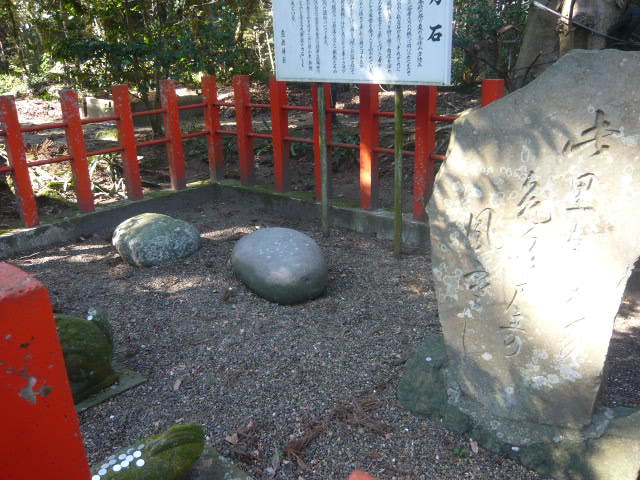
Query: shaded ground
point(304, 392)
point(54, 186)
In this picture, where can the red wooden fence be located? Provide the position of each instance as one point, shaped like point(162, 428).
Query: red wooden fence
point(426, 118)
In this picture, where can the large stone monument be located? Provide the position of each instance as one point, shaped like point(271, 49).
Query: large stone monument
point(534, 232)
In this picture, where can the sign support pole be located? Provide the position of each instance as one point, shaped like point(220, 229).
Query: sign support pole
point(397, 172)
point(324, 164)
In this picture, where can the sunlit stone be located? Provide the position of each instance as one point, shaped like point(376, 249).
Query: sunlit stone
point(534, 231)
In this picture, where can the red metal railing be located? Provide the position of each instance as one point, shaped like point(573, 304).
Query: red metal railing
point(426, 118)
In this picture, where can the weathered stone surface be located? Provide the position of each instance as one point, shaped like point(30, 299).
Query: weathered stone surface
point(423, 388)
point(152, 239)
point(534, 233)
point(281, 265)
point(87, 346)
point(608, 449)
point(168, 456)
point(213, 466)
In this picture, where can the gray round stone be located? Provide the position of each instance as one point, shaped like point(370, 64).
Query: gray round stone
point(152, 239)
point(281, 265)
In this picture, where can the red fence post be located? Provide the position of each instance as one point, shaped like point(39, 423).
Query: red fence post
point(492, 90)
point(175, 148)
point(127, 136)
point(77, 149)
point(18, 161)
point(316, 136)
point(244, 127)
point(426, 108)
point(40, 431)
point(280, 130)
point(369, 139)
point(212, 123)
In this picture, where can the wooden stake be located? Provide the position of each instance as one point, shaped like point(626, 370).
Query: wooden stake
point(323, 159)
point(397, 172)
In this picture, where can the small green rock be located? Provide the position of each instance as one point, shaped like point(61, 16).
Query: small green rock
point(168, 456)
point(87, 346)
point(152, 239)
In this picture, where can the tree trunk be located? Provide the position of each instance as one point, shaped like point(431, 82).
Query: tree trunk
point(597, 14)
point(539, 47)
point(547, 36)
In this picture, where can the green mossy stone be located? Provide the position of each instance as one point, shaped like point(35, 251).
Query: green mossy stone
point(168, 456)
point(87, 346)
point(152, 239)
point(213, 466)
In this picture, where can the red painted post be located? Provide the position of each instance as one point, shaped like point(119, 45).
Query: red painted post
point(244, 127)
point(77, 149)
point(316, 136)
point(426, 108)
point(212, 122)
point(127, 136)
point(369, 139)
point(492, 90)
point(40, 431)
point(18, 161)
point(360, 475)
point(175, 148)
point(280, 130)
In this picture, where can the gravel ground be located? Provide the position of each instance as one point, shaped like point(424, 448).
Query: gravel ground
point(300, 392)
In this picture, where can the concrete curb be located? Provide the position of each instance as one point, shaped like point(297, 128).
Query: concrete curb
point(377, 223)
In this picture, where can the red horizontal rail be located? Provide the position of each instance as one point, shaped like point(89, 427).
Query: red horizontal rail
point(259, 105)
point(195, 134)
point(444, 118)
point(224, 104)
point(438, 158)
point(392, 151)
point(50, 161)
point(298, 108)
point(150, 143)
point(157, 111)
point(268, 136)
point(44, 126)
point(344, 111)
point(192, 106)
point(392, 115)
point(298, 140)
point(344, 145)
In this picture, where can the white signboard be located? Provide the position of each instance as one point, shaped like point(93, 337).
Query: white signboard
point(364, 41)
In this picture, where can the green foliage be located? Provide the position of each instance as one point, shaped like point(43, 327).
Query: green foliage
point(487, 37)
point(96, 44)
point(11, 84)
point(460, 452)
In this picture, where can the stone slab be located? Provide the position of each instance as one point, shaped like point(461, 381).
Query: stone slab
point(534, 233)
point(609, 449)
point(128, 379)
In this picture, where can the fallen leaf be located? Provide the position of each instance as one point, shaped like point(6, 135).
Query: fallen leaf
point(232, 439)
point(474, 447)
point(176, 384)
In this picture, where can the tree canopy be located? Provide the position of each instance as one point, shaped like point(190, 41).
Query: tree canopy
point(94, 44)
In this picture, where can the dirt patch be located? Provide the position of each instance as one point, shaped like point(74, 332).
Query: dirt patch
point(305, 392)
